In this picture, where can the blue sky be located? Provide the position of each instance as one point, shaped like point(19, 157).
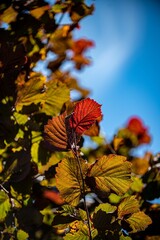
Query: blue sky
point(125, 70)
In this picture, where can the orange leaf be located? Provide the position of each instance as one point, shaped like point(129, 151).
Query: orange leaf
point(55, 132)
point(85, 114)
point(53, 196)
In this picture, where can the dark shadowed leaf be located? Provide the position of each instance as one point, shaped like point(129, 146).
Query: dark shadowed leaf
point(69, 181)
point(112, 173)
point(102, 216)
point(85, 114)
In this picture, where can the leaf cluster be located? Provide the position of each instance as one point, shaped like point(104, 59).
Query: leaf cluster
point(51, 186)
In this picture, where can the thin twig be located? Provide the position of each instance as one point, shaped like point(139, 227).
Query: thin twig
point(75, 152)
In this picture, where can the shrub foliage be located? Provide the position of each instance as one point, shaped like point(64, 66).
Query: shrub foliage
point(51, 186)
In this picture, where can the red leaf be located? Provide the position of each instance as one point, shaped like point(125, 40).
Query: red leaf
point(85, 114)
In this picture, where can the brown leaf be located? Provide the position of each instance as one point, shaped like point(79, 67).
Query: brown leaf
point(55, 132)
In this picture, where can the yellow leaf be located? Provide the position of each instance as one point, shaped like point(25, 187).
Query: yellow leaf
point(9, 15)
point(38, 12)
point(139, 221)
point(112, 172)
point(69, 181)
point(128, 205)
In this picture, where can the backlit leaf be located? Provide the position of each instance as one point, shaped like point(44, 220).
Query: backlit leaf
point(31, 92)
point(22, 235)
point(139, 221)
point(106, 207)
point(112, 173)
point(69, 181)
point(127, 206)
point(55, 132)
point(56, 95)
point(85, 114)
point(9, 15)
point(4, 205)
point(38, 12)
point(79, 231)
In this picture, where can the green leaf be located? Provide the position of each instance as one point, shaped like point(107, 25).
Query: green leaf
point(106, 207)
point(137, 184)
point(139, 221)
point(31, 92)
point(4, 205)
point(122, 237)
point(56, 95)
point(112, 173)
point(58, 8)
point(69, 180)
point(22, 235)
point(128, 205)
point(21, 119)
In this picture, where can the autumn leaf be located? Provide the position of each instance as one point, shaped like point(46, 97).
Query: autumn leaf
point(53, 196)
point(55, 132)
point(85, 114)
point(128, 205)
point(112, 173)
point(4, 205)
point(31, 92)
point(57, 93)
point(38, 12)
point(68, 179)
point(139, 221)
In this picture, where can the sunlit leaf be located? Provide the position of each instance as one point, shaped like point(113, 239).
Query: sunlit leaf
point(106, 207)
point(56, 133)
point(31, 92)
point(85, 114)
point(112, 173)
point(117, 142)
point(4, 205)
point(69, 181)
point(38, 12)
point(139, 221)
point(22, 235)
point(122, 237)
point(137, 184)
point(140, 165)
point(9, 15)
point(128, 205)
point(56, 95)
point(20, 118)
point(79, 231)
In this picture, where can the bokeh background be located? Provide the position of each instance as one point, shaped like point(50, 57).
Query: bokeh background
point(125, 70)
